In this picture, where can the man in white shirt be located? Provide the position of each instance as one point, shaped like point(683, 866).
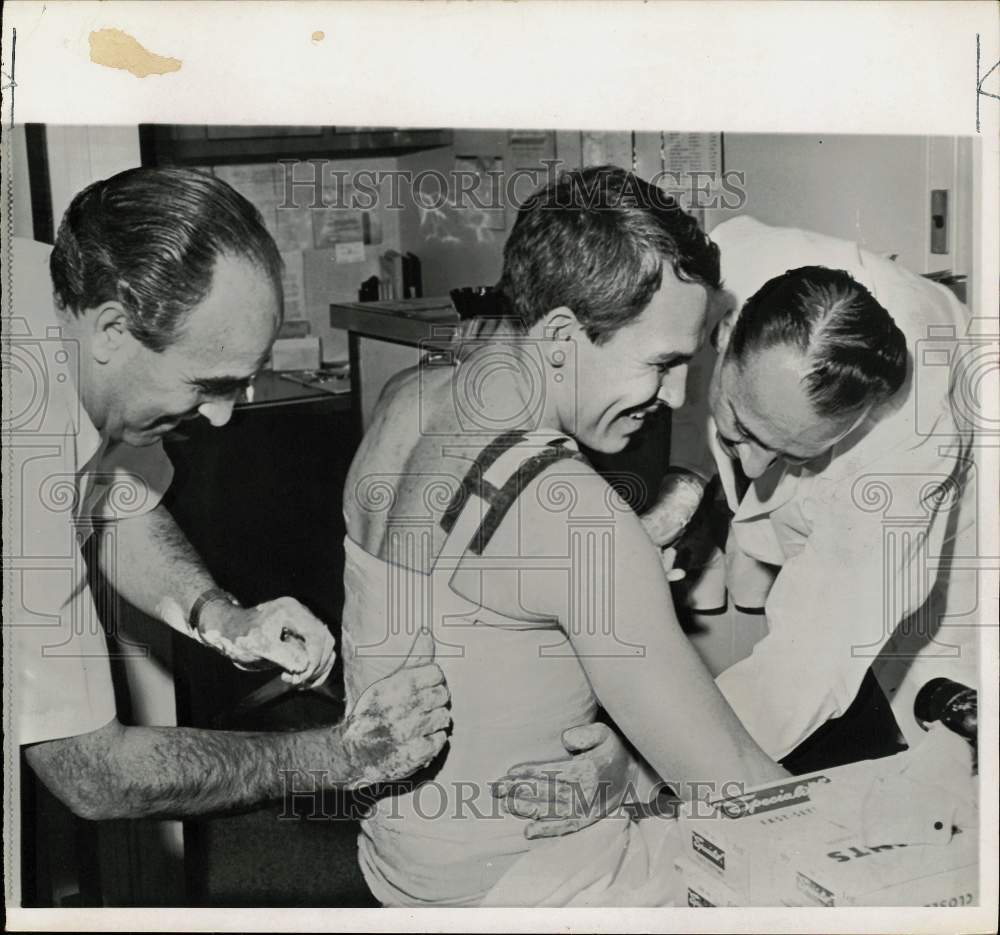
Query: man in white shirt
point(861, 488)
point(158, 303)
point(862, 480)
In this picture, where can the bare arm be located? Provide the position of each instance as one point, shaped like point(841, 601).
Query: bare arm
point(178, 772)
point(397, 726)
point(640, 663)
point(154, 567)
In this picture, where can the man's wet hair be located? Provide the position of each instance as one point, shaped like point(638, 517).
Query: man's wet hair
point(856, 355)
point(596, 241)
point(150, 239)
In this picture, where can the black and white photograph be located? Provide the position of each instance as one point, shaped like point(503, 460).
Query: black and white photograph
point(568, 496)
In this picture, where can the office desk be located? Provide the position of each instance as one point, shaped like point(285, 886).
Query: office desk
point(272, 389)
point(384, 338)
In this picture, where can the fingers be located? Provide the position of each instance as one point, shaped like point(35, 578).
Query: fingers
point(422, 650)
point(328, 660)
point(553, 804)
point(322, 657)
point(425, 749)
point(437, 720)
point(426, 676)
point(584, 737)
point(437, 696)
point(524, 790)
point(421, 724)
point(288, 634)
point(564, 770)
point(521, 807)
point(667, 558)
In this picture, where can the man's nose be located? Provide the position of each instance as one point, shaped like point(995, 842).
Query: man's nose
point(754, 461)
point(673, 387)
point(217, 411)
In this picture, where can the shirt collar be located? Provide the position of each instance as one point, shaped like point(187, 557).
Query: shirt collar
point(79, 425)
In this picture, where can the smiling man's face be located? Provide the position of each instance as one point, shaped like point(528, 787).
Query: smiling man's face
point(223, 343)
point(763, 414)
point(640, 368)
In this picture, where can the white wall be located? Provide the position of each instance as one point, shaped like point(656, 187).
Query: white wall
point(871, 189)
point(20, 184)
point(81, 155)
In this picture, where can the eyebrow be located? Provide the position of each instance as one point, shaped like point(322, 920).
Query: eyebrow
point(221, 385)
point(746, 433)
point(670, 357)
point(228, 384)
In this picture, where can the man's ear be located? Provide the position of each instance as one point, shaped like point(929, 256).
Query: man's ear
point(109, 332)
point(724, 329)
point(559, 324)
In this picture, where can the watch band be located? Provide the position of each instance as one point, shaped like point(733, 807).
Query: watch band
point(206, 597)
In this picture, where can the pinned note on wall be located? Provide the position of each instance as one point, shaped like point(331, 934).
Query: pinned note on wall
point(353, 252)
point(693, 152)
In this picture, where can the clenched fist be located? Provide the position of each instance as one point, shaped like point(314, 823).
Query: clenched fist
point(280, 633)
point(399, 723)
point(676, 503)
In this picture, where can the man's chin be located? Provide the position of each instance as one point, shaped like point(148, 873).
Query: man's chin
point(607, 443)
point(143, 438)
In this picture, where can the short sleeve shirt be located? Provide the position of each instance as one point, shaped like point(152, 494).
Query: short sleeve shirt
point(63, 482)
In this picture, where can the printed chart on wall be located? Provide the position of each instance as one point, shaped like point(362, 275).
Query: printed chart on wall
point(693, 166)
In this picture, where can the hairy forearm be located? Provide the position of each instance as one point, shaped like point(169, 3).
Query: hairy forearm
point(155, 568)
point(133, 772)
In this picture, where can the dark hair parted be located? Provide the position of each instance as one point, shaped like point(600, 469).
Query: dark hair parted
point(149, 239)
point(856, 354)
point(595, 241)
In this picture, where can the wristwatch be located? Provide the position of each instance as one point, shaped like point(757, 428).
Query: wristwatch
point(207, 597)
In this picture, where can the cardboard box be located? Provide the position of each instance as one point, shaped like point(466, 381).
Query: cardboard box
point(296, 354)
point(852, 874)
point(700, 890)
point(740, 839)
point(799, 843)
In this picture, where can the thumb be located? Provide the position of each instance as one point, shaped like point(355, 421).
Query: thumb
point(667, 558)
point(422, 650)
point(583, 737)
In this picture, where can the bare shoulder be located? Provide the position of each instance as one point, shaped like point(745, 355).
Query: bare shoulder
point(402, 468)
point(568, 495)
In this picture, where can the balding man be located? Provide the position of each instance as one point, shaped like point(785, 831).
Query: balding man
point(158, 304)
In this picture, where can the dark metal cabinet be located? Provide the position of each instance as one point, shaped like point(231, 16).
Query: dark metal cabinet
point(181, 144)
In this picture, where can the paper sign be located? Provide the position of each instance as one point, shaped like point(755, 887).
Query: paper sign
point(293, 285)
point(692, 152)
point(527, 148)
point(293, 228)
point(256, 183)
point(349, 252)
point(337, 225)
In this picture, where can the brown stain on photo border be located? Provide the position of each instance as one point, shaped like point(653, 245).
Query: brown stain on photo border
point(114, 48)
